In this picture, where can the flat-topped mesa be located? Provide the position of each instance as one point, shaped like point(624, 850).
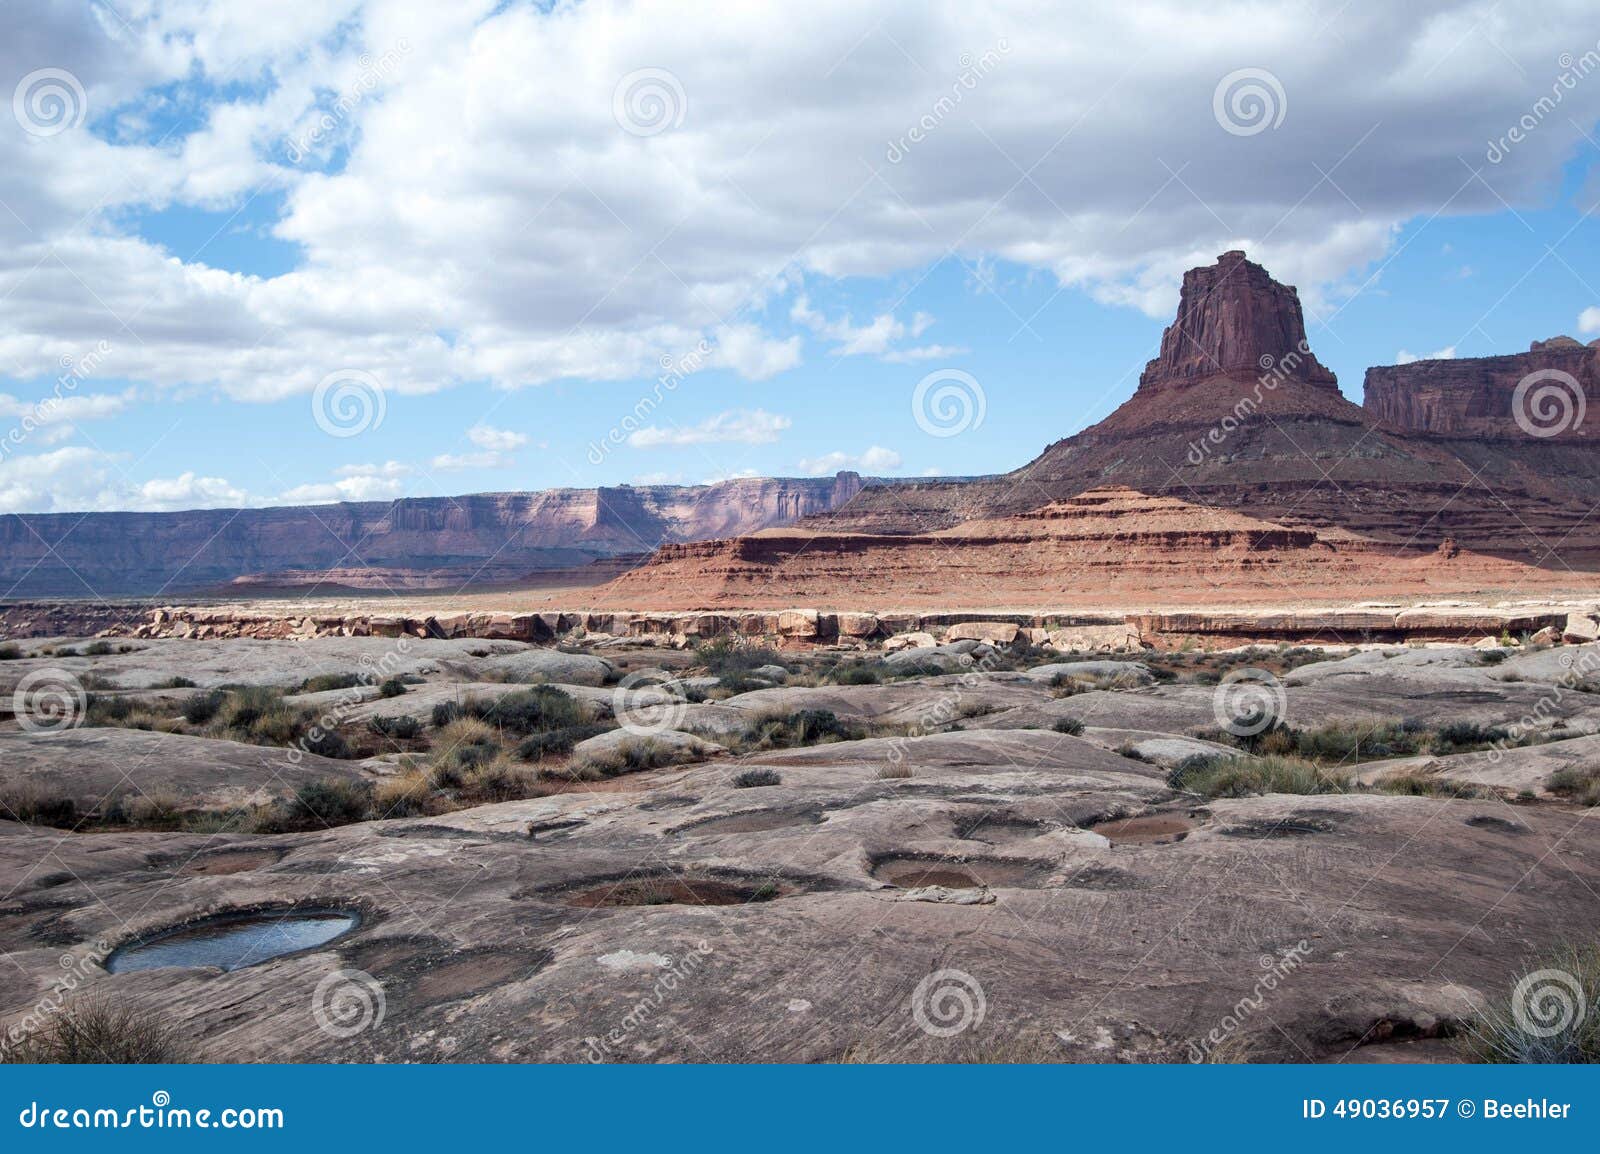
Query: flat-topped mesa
point(1235, 321)
point(1476, 397)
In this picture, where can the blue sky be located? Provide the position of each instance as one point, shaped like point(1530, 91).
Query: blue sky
point(480, 231)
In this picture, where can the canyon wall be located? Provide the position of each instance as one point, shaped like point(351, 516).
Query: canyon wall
point(420, 542)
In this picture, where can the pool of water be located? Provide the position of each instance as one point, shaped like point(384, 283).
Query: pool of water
point(233, 941)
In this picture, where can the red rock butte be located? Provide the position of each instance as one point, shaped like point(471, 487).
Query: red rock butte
point(1237, 472)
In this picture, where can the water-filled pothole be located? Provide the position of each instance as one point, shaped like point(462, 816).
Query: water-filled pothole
point(1285, 827)
point(229, 861)
point(751, 821)
point(1152, 829)
point(674, 890)
point(957, 874)
point(233, 941)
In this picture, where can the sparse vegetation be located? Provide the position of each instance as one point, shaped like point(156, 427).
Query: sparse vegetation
point(97, 649)
point(755, 778)
point(1071, 726)
point(803, 727)
point(1248, 776)
point(1551, 992)
point(556, 742)
point(393, 687)
point(98, 1029)
point(402, 728)
point(324, 682)
point(202, 707)
point(630, 756)
point(1430, 785)
point(9, 652)
point(1579, 785)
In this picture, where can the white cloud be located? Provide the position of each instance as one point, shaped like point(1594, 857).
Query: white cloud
point(1589, 320)
point(736, 426)
point(189, 491)
point(878, 338)
point(496, 440)
point(456, 461)
point(1403, 357)
point(79, 479)
point(379, 482)
point(485, 186)
point(876, 460)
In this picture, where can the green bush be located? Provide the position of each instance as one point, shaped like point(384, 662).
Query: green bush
point(803, 727)
point(1068, 725)
point(323, 682)
point(1248, 776)
point(97, 649)
point(753, 778)
point(728, 657)
point(1459, 736)
point(202, 707)
point(401, 728)
point(555, 742)
point(332, 801)
point(393, 687)
point(9, 652)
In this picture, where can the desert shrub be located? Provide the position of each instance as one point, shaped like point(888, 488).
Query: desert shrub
point(1068, 725)
point(326, 743)
point(1248, 776)
point(96, 1029)
point(102, 710)
point(323, 682)
point(728, 657)
point(893, 771)
point(174, 683)
point(1430, 785)
point(803, 727)
point(535, 710)
point(497, 780)
point(753, 778)
point(463, 745)
point(97, 649)
point(1560, 988)
point(152, 810)
point(332, 801)
point(34, 805)
point(393, 687)
point(202, 707)
point(1493, 656)
point(554, 742)
point(9, 652)
point(401, 728)
point(857, 674)
point(444, 713)
point(632, 756)
point(401, 796)
point(64, 651)
point(1354, 741)
point(1458, 736)
point(1579, 785)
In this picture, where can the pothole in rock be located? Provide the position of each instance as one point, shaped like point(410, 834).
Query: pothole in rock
point(1151, 829)
point(675, 890)
point(1000, 829)
point(229, 861)
point(1498, 824)
point(957, 873)
point(233, 941)
point(1287, 827)
point(753, 821)
point(668, 801)
point(556, 827)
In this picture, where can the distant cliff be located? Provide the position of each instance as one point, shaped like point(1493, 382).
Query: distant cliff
point(420, 542)
point(1474, 397)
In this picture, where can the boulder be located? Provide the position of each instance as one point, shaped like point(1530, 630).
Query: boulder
point(1580, 628)
point(994, 632)
point(857, 624)
point(798, 624)
point(909, 641)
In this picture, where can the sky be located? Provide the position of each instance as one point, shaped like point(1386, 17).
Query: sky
point(297, 253)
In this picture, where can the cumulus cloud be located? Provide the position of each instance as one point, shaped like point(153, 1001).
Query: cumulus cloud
point(520, 234)
point(1403, 357)
point(77, 479)
point(875, 460)
point(1589, 320)
point(737, 426)
point(496, 440)
point(365, 482)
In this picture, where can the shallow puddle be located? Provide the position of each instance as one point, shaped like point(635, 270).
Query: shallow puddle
point(1152, 829)
point(971, 873)
point(233, 941)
